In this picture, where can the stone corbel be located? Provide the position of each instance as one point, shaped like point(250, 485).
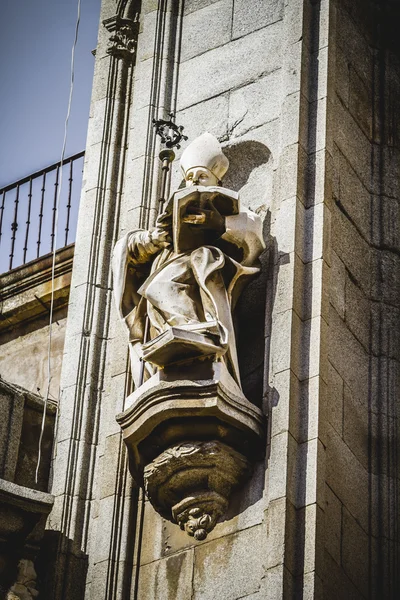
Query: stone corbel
point(123, 39)
point(192, 438)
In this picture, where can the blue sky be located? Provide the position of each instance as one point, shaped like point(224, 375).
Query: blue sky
point(35, 53)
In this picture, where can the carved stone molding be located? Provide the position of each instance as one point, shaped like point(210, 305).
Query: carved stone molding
point(191, 442)
point(123, 39)
point(193, 481)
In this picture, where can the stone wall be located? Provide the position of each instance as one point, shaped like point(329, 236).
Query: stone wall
point(363, 345)
point(25, 295)
point(296, 92)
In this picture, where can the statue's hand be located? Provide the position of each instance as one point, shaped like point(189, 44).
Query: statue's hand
point(160, 238)
point(205, 219)
point(143, 245)
point(164, 222)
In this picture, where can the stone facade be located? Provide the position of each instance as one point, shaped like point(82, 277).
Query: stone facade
point(24, 333)
point(303, 95)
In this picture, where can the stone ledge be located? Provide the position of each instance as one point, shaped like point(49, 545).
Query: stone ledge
point(26, 290)
point(31, 399)
point(173, 411)
point(27, 499)
point(21, 509)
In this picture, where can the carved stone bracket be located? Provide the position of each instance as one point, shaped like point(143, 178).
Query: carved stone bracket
point(191, 442)
point(123, 39)
point(193, 481)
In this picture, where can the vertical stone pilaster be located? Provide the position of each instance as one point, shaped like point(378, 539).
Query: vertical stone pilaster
point(82, 381)
point(303, 94)
point(115, 522)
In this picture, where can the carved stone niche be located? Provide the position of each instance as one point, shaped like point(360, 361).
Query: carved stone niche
point(192, 438)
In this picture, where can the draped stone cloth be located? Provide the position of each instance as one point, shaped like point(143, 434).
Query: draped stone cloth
point(192, 287)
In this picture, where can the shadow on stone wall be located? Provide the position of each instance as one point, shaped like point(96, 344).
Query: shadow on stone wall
point(249, 170)
point(244, 158)
point(61, 574)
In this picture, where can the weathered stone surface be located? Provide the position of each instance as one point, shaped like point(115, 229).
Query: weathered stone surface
point(351, 490)
point(255, 104)
point(169, 578)
point(313, 338)
point(278, 514)
point(210, 115)
point(195, 84)
point(291, 214)
point(333, 524)
point(385, 276)
point(336, 583)
point(282, 417)
point(342, 71)
point(24, 324)
point(348, 357)
point(387, 234)
point(278, 581)
point(262, 14)
point(206, 28)
point(355, 553)
point(352, 195)
point(314, 287)
point(24, 359)
point(192, 5)
point(337, 284)
point(353, 143)
point(357, 427)
point(354, 45)
point(360, 100)
point(334, 409)
point(236, 573)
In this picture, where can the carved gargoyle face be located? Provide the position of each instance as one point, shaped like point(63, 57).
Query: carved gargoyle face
point(200, 176)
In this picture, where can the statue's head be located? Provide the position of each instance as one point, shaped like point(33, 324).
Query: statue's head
point(203, 162)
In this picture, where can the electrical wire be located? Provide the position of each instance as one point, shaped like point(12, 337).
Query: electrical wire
point(49, 376)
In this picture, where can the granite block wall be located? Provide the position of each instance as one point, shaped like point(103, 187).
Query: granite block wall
point(303, 97)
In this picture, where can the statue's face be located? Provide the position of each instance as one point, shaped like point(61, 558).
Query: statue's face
point(200, 176)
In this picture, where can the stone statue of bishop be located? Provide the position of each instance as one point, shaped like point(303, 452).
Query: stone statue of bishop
point(176, 285)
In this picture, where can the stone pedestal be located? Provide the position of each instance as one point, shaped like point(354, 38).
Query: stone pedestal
point(191, 437)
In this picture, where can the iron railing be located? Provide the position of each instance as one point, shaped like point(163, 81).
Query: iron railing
point(28, 212)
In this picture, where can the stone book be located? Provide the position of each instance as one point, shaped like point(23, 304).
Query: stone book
point(190, 207)
point(183, 343)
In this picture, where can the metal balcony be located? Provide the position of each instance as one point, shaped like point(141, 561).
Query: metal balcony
point(28, 210)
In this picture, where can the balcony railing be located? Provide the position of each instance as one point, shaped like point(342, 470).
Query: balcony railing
point(28, 212)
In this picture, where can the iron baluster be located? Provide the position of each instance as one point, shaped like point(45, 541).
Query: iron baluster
point(43, 190)
point(34, 204)
point(53, 225)
point(28, 220)
point(14, 227)
point(69, 201)
point(2, 213)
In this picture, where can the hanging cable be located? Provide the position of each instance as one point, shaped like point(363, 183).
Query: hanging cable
point(49, 376)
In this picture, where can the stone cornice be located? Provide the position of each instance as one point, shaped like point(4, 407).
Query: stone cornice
point(26, 291)
point(35, 272)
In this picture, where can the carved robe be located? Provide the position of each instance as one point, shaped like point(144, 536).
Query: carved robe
point(182, 288)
